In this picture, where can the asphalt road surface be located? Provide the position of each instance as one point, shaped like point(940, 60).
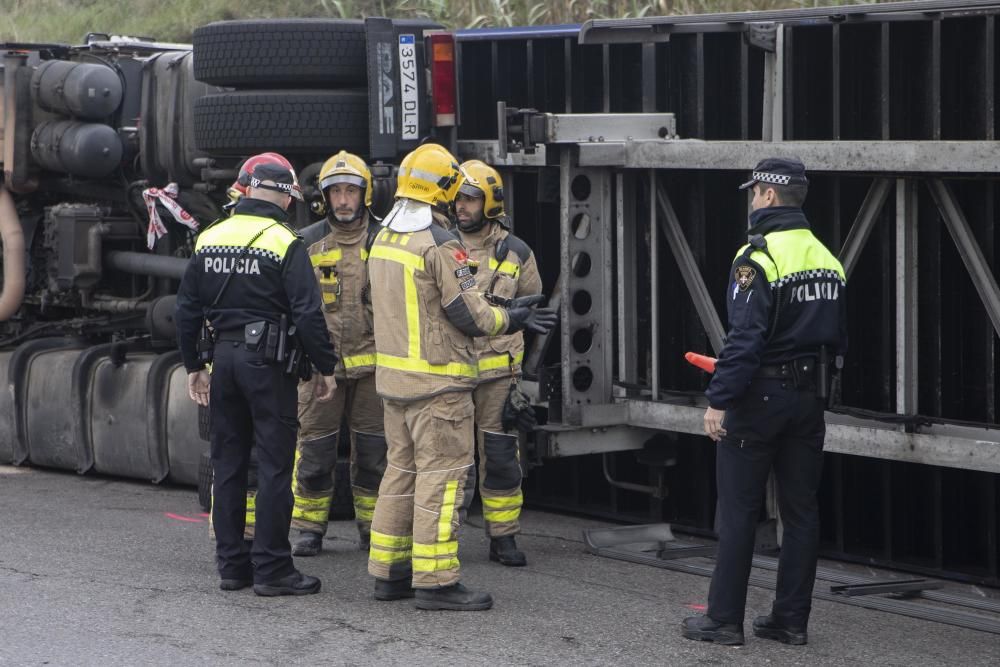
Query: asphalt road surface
point(105, 572)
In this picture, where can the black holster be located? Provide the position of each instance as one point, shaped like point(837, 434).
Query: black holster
point(206, 344)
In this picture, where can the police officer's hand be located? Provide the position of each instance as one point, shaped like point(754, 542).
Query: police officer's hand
point(713, 423)
point(324, 387)
point(198, 386)
point(523, 316)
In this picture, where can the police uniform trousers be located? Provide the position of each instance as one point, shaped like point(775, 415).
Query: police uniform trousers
point(251, 518)
point(357, 403)
point(773, 426)
point(499, 462)
point(252, 401)
point(415, 529)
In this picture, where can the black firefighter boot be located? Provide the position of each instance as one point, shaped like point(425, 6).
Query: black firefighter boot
point(504, 551)
point(455, 597)
point(309, 544)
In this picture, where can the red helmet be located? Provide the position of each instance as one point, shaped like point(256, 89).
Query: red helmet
point(239, 187)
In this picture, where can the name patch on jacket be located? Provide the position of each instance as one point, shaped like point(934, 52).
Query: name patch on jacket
point(828, 291)
point(463, 272)
point(230, 265)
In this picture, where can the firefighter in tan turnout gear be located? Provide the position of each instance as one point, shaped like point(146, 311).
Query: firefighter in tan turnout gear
point(507, 269)
point(427, 308)
point(340, 263)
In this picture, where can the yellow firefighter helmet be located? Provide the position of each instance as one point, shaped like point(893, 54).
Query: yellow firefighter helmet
point(482, 180)
point(348, 168)
point(429, 174)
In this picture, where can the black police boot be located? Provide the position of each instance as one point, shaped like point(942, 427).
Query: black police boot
point(397, 589)
point(294, 584)
point(504, 551)
point(309, 544)
point(235, 584)
point(767, 627)
point(707, 629)
point(455, 597)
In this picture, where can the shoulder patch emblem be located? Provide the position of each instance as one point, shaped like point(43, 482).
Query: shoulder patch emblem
point(744, 277)
point(461, 256)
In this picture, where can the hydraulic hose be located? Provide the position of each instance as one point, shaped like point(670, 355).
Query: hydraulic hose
point(145, 264)
point(14, 270)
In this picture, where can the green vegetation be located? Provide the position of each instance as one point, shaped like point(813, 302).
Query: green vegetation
point(173, 20)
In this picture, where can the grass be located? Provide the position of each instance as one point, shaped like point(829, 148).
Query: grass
point(68, 21)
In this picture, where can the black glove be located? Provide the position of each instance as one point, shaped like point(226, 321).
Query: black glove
point(517, 411)
point(523, 316)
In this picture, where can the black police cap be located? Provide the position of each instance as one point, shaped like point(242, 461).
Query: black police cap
point(778, 171)
point(275, 177)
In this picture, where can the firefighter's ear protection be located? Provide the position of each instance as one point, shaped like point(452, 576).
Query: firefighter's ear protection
point(497, 189)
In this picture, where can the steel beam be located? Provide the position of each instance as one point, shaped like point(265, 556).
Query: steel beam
point(889, 157)
point(863, 224)
point(659, 28)
point(963, 447)
point(654, 289)
point(586, 127)
point(560, 442)
point(689, 270)
point(907, 289)
point(626, 229)
point(490, 152)
point(968, 248)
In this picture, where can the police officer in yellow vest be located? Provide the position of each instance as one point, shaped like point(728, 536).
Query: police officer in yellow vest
point(251, 280)
point(506, 269)
point(786, 320)
point(340, 263)
point(237, 191)
point(427, 309)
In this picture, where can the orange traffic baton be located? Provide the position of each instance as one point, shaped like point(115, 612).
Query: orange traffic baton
point(706, 364)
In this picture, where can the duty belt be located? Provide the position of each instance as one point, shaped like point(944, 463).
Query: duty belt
point(802, 372)
point(233, 335)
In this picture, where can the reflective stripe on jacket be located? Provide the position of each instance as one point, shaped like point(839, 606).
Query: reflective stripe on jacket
point(426, 309)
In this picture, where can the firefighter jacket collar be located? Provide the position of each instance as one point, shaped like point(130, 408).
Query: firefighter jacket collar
point(350, 233)
point(261, 209)
point(763, 221)
point(409, 216)
point(485, 237)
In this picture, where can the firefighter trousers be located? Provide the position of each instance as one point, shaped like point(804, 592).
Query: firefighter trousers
point(356, 404)
point(415, 530)
point(499, 462)
point(251, 400)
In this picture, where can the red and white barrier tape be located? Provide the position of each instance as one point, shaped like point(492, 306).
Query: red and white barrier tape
point(168, 198)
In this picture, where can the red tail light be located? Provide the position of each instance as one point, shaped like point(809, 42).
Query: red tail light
point(443, 77)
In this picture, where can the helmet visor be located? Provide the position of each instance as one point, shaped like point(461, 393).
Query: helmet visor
point(350, 179)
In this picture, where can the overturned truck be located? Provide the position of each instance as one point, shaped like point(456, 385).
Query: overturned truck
point(621, 144)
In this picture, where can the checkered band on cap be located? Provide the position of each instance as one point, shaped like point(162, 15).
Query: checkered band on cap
point(774, 179)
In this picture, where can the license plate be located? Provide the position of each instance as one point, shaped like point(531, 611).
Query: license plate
point(409, 108)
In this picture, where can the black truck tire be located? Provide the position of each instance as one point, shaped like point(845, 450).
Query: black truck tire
point(205, 478)
point(293, 121)
point(281, 53)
